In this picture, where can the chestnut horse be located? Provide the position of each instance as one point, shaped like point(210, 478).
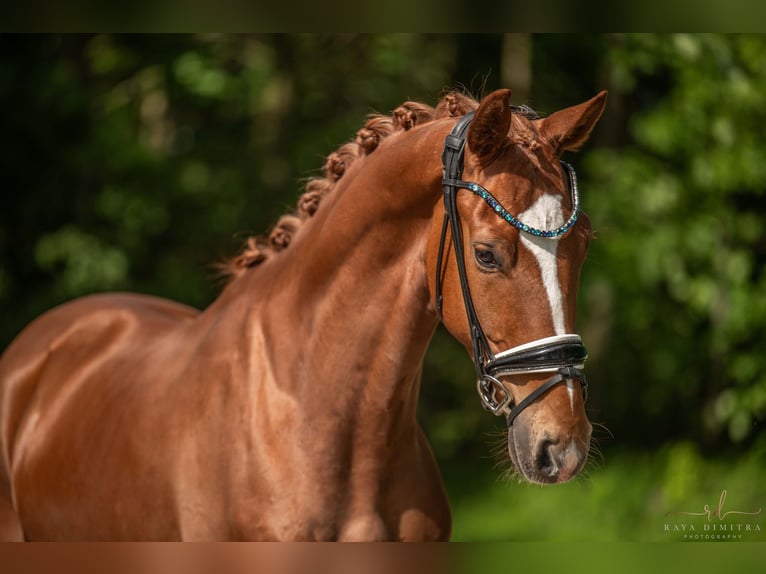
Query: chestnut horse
point(286, 410)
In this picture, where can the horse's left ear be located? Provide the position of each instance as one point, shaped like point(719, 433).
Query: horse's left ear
point(569, 128)
point(488, 132)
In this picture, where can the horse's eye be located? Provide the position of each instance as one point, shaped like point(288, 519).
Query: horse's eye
point(485, 257)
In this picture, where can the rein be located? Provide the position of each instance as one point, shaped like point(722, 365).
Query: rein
point(563, 355)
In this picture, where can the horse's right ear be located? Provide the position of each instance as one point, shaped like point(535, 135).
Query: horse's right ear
point(569, 129)
point(488, 132)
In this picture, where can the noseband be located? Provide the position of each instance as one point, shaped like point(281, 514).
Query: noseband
point(563, 355)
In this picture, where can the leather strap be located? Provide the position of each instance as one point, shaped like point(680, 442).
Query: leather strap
point(565, 374)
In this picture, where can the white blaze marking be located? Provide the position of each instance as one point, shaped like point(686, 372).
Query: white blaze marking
point(546, 213)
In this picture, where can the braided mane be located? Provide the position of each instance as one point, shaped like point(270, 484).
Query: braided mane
point(377, 127)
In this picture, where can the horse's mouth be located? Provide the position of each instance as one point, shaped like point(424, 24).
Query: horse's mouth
point(544, 463)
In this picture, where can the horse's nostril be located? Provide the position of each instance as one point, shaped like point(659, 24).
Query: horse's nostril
point(546, 457)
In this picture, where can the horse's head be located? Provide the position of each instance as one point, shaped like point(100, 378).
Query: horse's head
point(506, 265)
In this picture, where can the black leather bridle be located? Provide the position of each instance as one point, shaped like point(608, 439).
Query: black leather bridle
point(563, 355)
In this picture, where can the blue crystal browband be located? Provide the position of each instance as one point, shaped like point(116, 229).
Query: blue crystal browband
point(518, 224)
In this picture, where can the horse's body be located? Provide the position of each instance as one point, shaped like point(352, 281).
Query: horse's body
point(285, 410)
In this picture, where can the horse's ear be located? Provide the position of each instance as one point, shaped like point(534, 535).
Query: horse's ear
point(488, 132)
point(569, 128)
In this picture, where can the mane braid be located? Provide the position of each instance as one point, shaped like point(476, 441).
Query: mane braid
point(257, 249)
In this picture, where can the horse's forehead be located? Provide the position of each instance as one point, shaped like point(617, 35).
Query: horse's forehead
point(525, 176)
point(545, 212)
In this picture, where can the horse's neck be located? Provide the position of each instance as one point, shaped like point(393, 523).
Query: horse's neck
point(329, 339)
point(347, 320)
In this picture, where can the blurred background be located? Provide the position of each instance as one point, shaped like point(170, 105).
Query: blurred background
point(135, 162)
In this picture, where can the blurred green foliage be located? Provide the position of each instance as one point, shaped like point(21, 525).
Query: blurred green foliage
point(135, 162)
point(679, 211)
point(634, 497)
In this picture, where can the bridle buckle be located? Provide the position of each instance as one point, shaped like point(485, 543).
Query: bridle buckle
point(489, 388)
